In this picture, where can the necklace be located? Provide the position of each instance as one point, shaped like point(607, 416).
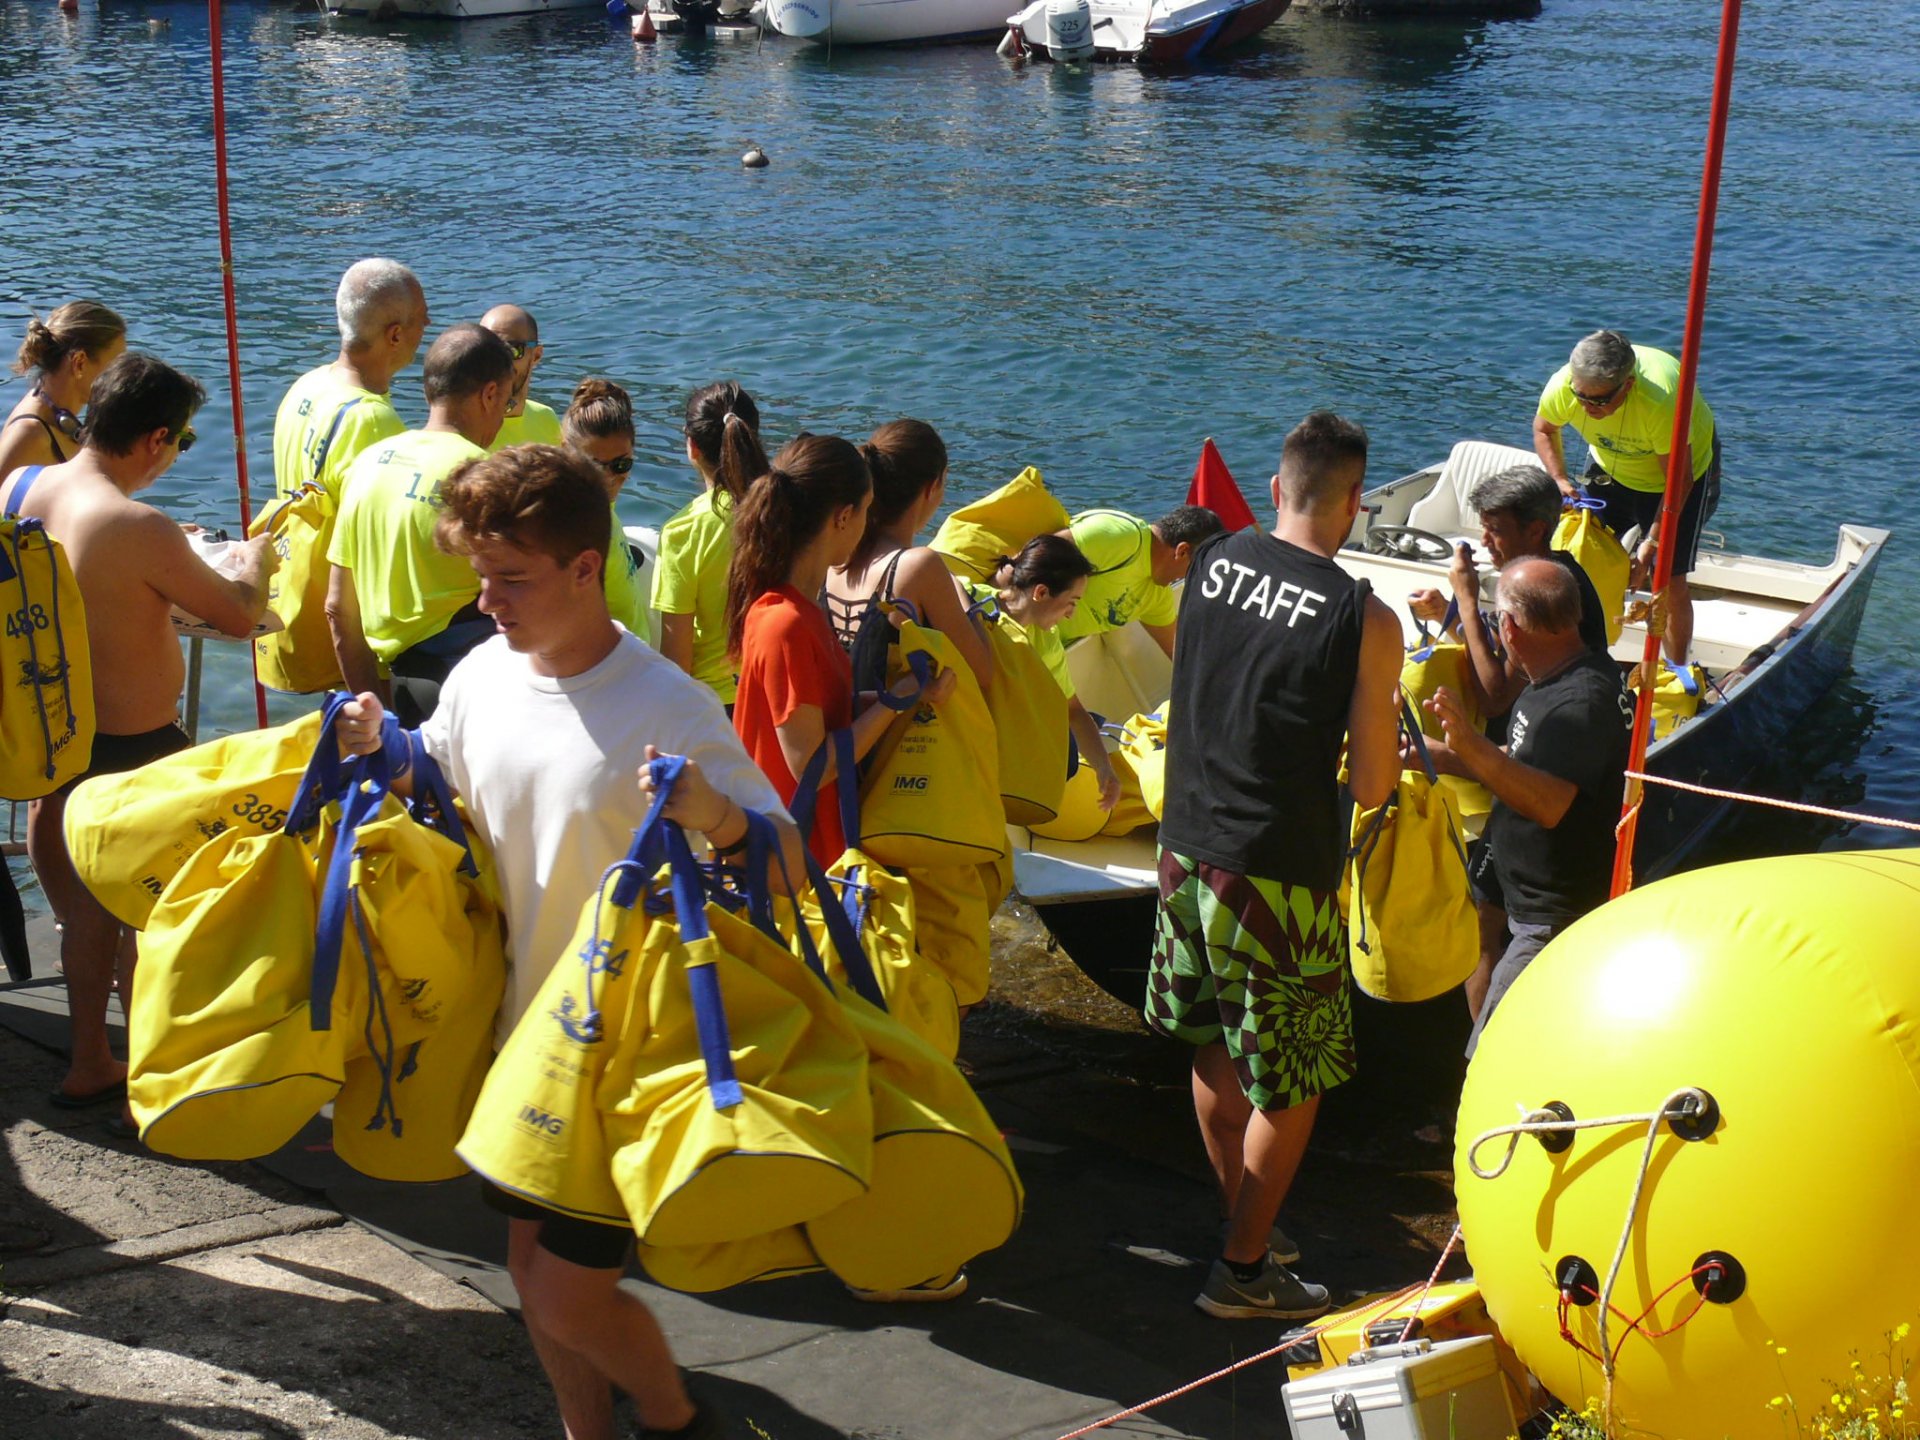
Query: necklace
point(68, 422)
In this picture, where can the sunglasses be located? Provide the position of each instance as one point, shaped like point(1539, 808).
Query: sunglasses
point(185, 439)
point(1596, 401)
point(520, 347)
point(619, 465)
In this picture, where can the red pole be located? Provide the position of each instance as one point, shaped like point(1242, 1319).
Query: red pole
point(1682, 421)
point(233, 311)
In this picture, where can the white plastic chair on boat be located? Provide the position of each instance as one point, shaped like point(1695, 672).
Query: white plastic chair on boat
point(1443, 510)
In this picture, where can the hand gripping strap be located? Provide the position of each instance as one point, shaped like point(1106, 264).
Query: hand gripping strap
point(806, 794)
point(325, 780)
point(368, 780)
point(1581, 500)
point(919, 663)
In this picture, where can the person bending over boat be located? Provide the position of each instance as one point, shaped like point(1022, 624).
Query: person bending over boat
point(1135, 566)
point(1037, 590)
point(1557, 782)
point(527, 422)
point(1621, 398)
point(1282, 654)
point(64, 354)
point(690, 570)
point(598, 426)
point(799, 520)
point(133, 565)
point(541, 731)
point(397, 605)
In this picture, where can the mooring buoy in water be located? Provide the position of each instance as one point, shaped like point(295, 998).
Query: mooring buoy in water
point(644, 32)
point(754, 159)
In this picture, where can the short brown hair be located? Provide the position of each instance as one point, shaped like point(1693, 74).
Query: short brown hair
point(1319, 459)
point(538, 498)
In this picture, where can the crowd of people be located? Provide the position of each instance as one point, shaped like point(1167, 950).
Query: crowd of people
point(471, 576)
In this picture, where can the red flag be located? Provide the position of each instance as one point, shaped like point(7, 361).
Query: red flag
point(1213, 487)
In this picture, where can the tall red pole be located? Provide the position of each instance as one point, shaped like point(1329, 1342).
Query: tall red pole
point(1678, 452)
point(233, 311)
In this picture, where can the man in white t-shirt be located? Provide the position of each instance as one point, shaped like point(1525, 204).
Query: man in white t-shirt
point(542, 731)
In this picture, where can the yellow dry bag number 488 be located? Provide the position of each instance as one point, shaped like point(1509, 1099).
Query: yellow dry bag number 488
point(46, 715)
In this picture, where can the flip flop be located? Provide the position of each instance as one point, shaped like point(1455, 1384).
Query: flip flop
point(61, 1100)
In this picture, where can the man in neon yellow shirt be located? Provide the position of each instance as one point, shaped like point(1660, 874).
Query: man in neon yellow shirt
point(1621, 398)
point(1135, 566)
point(528, 422)
point(398, 604)
point(328, 417)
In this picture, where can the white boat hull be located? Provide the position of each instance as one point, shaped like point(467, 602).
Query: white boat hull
point(457, 9)
point(886, 22)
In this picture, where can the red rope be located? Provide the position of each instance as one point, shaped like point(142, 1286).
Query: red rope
point(1634, 1322)
point(1678, 452)
point(233, 310)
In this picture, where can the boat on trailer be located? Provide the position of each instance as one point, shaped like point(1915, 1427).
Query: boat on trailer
point(1773, 635)
point(1158, 32)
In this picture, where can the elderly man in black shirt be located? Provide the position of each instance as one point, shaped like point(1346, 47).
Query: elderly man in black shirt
point(1558, 781)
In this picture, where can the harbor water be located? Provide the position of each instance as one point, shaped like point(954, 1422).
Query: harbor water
point(1085, 269)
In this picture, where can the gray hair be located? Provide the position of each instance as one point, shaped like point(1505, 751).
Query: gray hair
point(1525, 492)
point(1604, 358)
point(372, 295)
point(1541, 595)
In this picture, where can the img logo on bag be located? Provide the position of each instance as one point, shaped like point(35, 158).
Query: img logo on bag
point(540, 1121)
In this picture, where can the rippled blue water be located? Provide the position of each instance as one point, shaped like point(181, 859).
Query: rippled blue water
point(1089, 270)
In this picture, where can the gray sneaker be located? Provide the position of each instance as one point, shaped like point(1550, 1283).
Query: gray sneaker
point(1278, 1241)
point(1276, 1293)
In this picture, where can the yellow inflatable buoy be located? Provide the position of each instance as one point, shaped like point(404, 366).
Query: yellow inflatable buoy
point(1740, 1047)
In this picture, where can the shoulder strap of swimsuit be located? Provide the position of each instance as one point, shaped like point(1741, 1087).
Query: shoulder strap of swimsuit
point(54, 436)
point(885, 588)
point(18, 496)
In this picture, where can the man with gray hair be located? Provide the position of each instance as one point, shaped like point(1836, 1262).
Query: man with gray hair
point(1621, 397)
point(328, 417)
point(1558, 782)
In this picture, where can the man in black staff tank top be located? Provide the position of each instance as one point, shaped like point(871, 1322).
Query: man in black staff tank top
point(1281, 655)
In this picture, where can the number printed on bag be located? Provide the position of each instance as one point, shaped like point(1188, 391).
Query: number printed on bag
point(26, 619)
point(263, 813)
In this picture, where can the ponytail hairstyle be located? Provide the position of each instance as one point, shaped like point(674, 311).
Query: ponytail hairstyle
point(906, 457)
point(724, 425)
point(83, 325)
point(600, 410)
point(784, 512)
point(1050, 560)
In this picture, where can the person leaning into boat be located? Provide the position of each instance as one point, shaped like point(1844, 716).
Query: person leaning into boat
point(397, 605)
point(1557, 782)
point(1621, 398)
point(133, 565)
point(1282, 655)
point(908, 462)
point(1037, 590)
point(541, 731)
point(598, 426)
point(527, 422)
point(64, 354)
point(690, 569)
point(1135, 566)
point(798, 521)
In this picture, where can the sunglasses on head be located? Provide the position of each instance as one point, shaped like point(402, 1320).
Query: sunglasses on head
point(619, 465)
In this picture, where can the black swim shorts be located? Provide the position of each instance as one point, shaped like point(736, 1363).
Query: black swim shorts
point(117, 754)
point(591, 1244)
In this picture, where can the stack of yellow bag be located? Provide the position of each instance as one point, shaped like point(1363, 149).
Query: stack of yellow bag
point(686, 1072)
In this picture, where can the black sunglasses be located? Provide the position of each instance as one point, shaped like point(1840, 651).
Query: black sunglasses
point(619, 465)
point(1597, 400)
point(185, 439)
point(520, 347)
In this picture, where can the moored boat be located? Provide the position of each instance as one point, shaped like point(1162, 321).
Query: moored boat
point(452, 9)
point(886, 22)
point(1157, 31)
point(1773, 636)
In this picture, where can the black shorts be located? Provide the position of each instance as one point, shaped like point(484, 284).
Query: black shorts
point(1482, 879)
point(117, 754)
point(1627, 508)
point(590, 1244)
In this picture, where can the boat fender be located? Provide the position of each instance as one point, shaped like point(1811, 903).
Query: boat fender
point(754, 159)
point(1070, 29)
point(643, 31)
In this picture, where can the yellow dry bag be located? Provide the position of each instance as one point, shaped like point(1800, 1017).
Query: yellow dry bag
point(1677, 697)
point(976, 535)
point(1081, 817)
point(1434, 661)
point(1029, 712)
point(1141, 761)
point(1599, 552)
point(46, 718)
point(299, 655)
point(1412, 932)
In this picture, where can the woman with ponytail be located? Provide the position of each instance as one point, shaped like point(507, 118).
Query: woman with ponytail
point(690, 573)
point(64, 354)
point(796, 522)
point(598, 426)
point(908, 462)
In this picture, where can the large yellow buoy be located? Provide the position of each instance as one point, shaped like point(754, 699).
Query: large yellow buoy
point(1771, 1009)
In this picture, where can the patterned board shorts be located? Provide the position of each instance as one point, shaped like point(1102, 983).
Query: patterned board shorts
point(1260, 966)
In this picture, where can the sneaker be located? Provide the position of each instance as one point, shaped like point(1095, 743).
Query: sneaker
point(1278, 1241)
point(1276, 1293)
point(941, 1287)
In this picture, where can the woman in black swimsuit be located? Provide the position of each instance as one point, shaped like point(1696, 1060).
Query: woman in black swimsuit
point(63, 353)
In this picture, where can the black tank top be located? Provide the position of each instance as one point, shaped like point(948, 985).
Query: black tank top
point(1263, 676)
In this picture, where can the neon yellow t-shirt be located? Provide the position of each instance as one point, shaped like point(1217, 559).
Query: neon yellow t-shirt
point(408, 588)
point(690, 578)
point(1632, 443)
point(625, 600)
point(302, 450)
point(536, 425)
point(1122, 587)
point(1046, 643)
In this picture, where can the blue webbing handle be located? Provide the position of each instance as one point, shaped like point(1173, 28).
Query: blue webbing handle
point(1411, 723)
point(325, 777)
point(703, 981)
point(432, 802)
point(919, 664)
point(842, 936)
point(20, 488)
point(1581, 500)
point(648, 851)
point(806, 793)
point(368, 779)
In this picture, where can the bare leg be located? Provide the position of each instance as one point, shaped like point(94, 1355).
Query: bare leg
point(589, 1333)
point(1493, 944)
point(1275, 1141)
point(89, 938)
point(1222, 1109)
point(1679, 637)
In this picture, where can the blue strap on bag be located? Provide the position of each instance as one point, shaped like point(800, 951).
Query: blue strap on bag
point(806, 793)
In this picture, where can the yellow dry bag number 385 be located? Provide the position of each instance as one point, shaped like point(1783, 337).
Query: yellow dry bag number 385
point(46, 715)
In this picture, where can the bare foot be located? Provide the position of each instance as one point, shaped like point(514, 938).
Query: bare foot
point(80, 1083)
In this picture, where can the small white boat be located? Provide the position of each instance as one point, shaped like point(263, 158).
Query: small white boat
point(1169, 32)
point(886, 22)
point(452, 9)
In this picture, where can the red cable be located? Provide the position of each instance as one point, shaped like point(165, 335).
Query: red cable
point(233, 312)
point(1682, 420)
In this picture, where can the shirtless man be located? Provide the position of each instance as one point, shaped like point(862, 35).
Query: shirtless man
point(133, 565)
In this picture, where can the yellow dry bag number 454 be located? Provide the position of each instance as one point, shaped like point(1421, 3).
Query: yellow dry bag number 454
point(46, 715)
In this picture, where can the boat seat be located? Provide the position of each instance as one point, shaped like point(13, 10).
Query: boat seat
point(1443, 510)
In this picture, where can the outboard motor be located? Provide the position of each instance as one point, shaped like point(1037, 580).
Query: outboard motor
point(1070, 29)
